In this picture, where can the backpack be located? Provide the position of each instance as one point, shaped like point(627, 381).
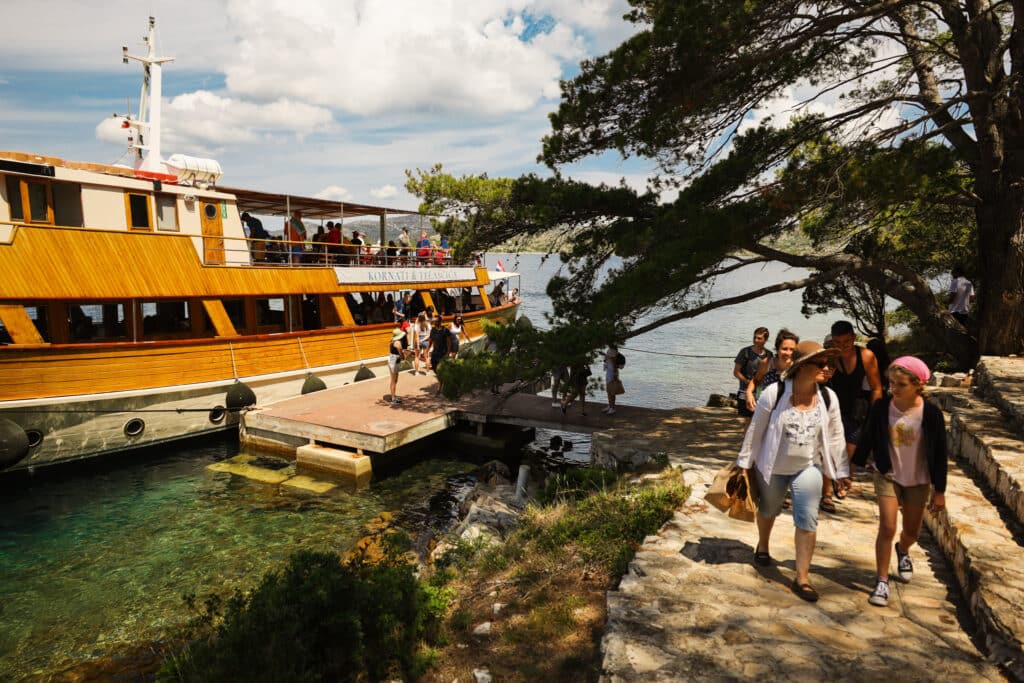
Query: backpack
point(620, 361)
point(778, 394)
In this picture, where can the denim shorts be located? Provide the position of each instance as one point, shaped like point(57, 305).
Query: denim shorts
point(806, 488)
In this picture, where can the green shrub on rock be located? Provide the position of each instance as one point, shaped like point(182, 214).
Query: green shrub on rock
point(319, 619)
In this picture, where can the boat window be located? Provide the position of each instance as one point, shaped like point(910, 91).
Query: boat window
point(39, 202)
point(14, 198)
point(235, 309)
point(40, 316)
point(138, 211)
point(37, 193)
point(270, 313)
point(166, 212)
point(170, 319)
point(67, 204)
point(96, 322)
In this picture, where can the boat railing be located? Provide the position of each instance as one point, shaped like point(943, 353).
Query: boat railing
point(287, 253)
point(220, 250)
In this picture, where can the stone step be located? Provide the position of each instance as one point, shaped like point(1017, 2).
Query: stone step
point(988, 560)
point(980, 435)
point(1000, 380)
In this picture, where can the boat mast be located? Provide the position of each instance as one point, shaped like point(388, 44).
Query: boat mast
point(147, 143)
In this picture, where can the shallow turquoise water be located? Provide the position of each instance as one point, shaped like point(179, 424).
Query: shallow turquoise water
point(97, 561)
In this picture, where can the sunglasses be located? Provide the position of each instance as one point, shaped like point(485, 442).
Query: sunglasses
point(820, 364)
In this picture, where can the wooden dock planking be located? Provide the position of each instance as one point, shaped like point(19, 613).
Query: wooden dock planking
point(357, 417)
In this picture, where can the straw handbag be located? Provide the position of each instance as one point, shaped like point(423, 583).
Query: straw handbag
point(734, 492)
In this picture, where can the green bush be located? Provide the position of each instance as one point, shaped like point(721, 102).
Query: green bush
point(319, 619)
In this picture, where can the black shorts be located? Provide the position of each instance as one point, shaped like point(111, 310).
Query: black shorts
point(741, 407)
point(436, 359)
point(852, 428)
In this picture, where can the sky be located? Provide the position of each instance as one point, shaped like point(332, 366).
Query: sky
point(327, 98)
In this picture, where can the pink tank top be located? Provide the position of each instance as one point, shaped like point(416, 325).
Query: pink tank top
point(906, 448)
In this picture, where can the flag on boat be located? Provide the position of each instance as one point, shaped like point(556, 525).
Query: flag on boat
point(501, 267)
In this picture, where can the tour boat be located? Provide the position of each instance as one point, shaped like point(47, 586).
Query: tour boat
point(134, 309)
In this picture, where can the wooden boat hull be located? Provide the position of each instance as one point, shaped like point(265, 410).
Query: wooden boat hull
point(81, 401)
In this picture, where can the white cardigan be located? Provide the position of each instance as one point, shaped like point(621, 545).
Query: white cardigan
point(761, 443)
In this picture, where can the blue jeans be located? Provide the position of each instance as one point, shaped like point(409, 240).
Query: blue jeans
point(806, 488)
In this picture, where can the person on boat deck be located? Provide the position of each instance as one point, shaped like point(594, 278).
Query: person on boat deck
point(254, 231)
point(404, 242)
point(443, 251)
point(391, 253)
point(295, 233)
point(320, 244)
point(497, 295)
point(402, 307)
point(423, 247)
point(333, 241)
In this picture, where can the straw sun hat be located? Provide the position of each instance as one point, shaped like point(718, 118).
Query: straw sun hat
point(807, 352)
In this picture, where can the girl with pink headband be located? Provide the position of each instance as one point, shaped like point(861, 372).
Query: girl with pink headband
point(906, 436)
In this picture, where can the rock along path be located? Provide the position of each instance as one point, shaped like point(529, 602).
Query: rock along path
point(694, 607)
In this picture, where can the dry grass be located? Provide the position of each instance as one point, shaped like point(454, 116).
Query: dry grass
point(550, 579)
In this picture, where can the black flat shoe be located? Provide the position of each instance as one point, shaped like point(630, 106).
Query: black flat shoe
point(762, 558)
point(805, 591)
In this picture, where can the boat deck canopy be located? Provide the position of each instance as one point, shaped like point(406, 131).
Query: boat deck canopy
point(274, 204)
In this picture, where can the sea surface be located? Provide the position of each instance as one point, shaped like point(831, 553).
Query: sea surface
point(98, 559)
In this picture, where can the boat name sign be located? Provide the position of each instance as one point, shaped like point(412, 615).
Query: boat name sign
point(351, 276)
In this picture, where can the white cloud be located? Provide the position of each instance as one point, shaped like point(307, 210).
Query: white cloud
point(335, 192)
point(341, 95)
point(204, 118)
point(402, 55)
point(384, 192)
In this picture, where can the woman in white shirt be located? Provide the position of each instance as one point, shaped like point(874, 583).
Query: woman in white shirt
point(793, 440)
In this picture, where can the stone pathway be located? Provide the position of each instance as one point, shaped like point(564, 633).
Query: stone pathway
point(693, 606)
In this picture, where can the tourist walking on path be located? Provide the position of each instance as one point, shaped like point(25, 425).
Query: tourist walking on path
point(439, 344)
point(559, 377)
point(458, 330)
point(906, 437)
point(793, 440)
point(420, 342)
point(578, 377)
point(748, 361)
point(396, 351)
point(772, 368)
point(612, 383)
point(963, 294)
point(855, 368)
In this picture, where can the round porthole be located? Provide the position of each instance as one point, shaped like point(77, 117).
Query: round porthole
point(35, 437)
point(134, 426)
point(217, 414)
point(211, 211)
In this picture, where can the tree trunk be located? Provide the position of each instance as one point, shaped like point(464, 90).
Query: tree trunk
point(1000, 309)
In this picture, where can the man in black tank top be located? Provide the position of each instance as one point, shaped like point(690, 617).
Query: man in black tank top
point(854, 365)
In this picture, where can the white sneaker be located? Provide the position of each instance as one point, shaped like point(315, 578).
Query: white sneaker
point(395, 399)
point(880, 598)
point(606, 409)
point(610, 411)
point(556, 404)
